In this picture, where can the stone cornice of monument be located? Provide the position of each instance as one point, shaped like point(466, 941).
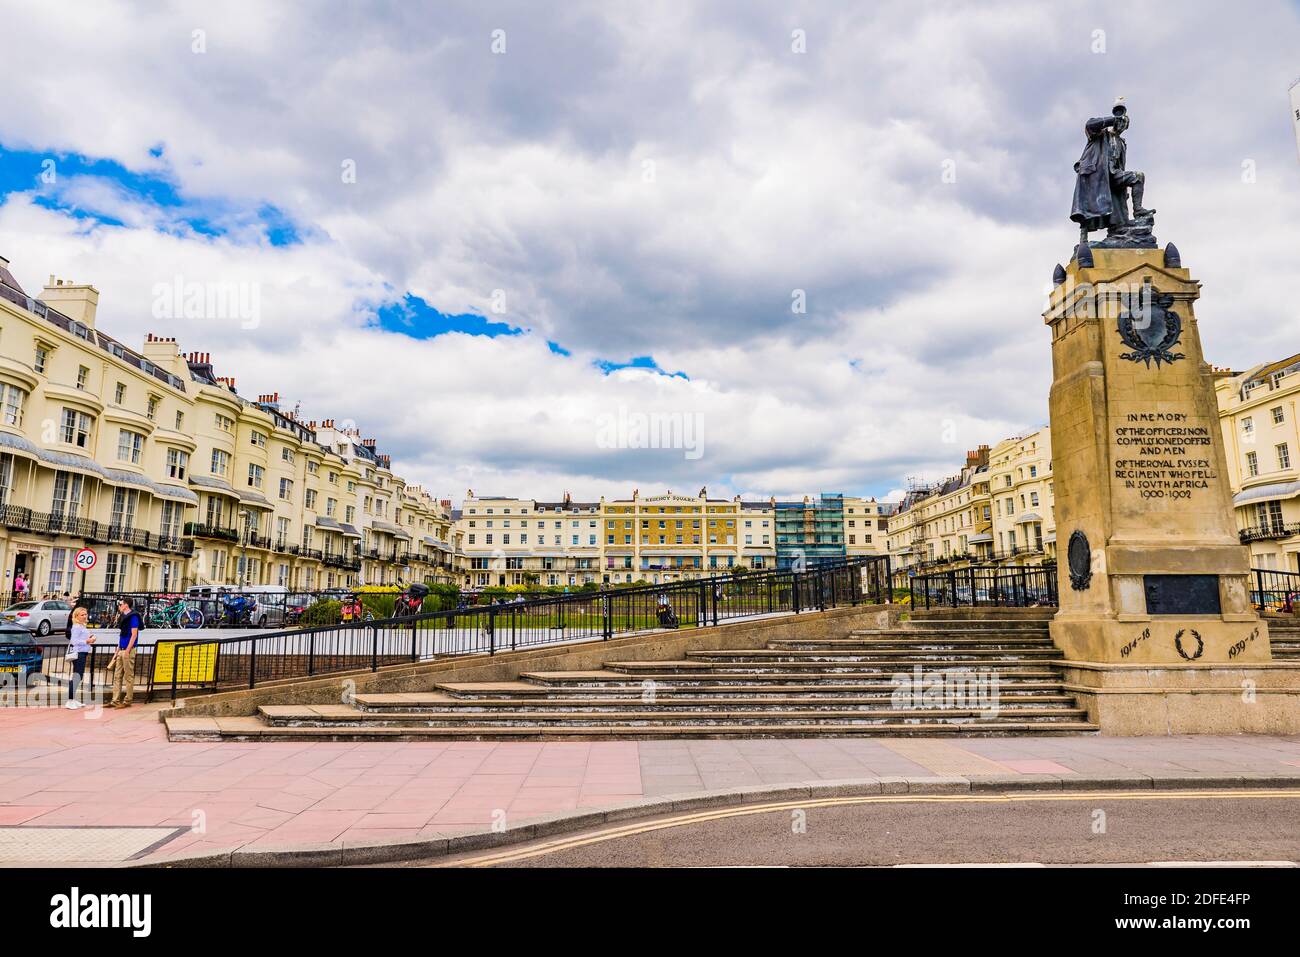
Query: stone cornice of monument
point(1075, 288)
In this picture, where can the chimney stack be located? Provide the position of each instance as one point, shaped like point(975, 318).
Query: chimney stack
point(77, 301)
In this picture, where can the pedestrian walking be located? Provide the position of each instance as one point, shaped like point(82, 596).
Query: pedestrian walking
point(122, 667)
point(20, 587)
point(79, 642)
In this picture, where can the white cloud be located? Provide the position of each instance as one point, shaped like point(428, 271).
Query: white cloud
point(773, 171)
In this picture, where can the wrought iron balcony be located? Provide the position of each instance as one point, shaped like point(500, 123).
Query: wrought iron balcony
point(202, 530)
point(1257, 533)
point(334, 560)
point(89, 530)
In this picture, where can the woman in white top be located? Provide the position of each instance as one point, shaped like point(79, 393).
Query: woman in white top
point(79, 642)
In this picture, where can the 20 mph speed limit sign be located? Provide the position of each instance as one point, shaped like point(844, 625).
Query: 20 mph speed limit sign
point(85, 559)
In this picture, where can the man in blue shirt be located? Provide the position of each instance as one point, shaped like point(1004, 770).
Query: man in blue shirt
point(122, 667)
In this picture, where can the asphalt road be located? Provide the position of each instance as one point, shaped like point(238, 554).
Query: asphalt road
point(1043, 828)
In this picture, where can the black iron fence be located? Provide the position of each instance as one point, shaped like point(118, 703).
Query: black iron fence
point(56, 671)
point(976, 586)
point(1271, 589)
point(213, 607)
point(1275, 590)
point(250, 660)
point(92, 531)
point(1270, 530)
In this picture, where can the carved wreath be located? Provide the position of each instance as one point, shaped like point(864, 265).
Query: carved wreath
point(1178, 644)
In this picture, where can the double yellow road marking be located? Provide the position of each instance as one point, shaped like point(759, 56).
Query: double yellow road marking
point(495, 858)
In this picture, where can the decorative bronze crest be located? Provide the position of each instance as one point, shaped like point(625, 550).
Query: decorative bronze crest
point(1151, 328)
point(1079, 557)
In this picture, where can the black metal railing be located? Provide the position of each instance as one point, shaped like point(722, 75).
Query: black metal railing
point(1271, 589)
point(975, 586)
point(250, 660)
point(93, 532)
point(56, 670)
point(208, 606)
point(1275, 590)
point(203, 530)
point(1270, 530)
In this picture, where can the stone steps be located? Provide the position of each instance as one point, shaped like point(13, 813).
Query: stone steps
point(1284, 638)
point(867, 654)
point(289, 716)
point(437, 704)
point(631, 691)
point(954, 632)
point(878, 677)
point(901, 641)
point(971, 625)
point(851, 686)
point(868, 666)
point(254, 729)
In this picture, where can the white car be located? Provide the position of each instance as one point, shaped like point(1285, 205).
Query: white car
point(42, 617)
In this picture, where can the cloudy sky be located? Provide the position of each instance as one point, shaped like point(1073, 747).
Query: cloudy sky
point(503, 238)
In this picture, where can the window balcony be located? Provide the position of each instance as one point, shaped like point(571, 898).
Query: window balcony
point(1273, 530)
point(202, 530)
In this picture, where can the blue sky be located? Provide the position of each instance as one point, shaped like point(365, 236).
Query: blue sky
point(45, 174)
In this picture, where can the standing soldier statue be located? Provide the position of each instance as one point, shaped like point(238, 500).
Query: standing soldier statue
point(1103, 183)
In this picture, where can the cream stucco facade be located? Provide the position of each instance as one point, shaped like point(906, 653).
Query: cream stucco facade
point(1257, 414)
point(159, 465)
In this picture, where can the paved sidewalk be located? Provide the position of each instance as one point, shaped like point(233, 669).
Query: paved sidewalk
point(68, 769)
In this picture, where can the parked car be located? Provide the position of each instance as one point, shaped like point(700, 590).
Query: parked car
point(272, 604)
point(19, 651)
point(295, 605)
point(42, 617)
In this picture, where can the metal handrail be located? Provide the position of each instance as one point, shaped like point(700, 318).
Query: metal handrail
point(486, 629)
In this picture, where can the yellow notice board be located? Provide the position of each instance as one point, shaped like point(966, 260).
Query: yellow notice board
point(198, 663)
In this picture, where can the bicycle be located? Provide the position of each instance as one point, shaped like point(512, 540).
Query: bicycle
point(176, 615)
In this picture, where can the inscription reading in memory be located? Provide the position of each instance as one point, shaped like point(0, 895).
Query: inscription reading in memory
point(1162, 455)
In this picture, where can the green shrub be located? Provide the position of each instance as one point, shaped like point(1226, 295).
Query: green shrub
point(323, 612)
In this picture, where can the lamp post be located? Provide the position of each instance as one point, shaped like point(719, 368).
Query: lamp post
point(246, 514)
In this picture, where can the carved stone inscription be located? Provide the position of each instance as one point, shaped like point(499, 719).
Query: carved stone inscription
point(1164, 455)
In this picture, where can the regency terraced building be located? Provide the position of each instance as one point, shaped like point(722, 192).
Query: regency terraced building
point(996, 511)
point(1258, 413)
point(511, 541)
point(1012, 503)
point(174, 478)
point(508, 541)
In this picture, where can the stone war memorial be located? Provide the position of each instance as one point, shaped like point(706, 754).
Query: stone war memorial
point(1155, 616)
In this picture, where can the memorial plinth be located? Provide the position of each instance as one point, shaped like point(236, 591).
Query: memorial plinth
point(1156, 622)
point(1152, 569)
